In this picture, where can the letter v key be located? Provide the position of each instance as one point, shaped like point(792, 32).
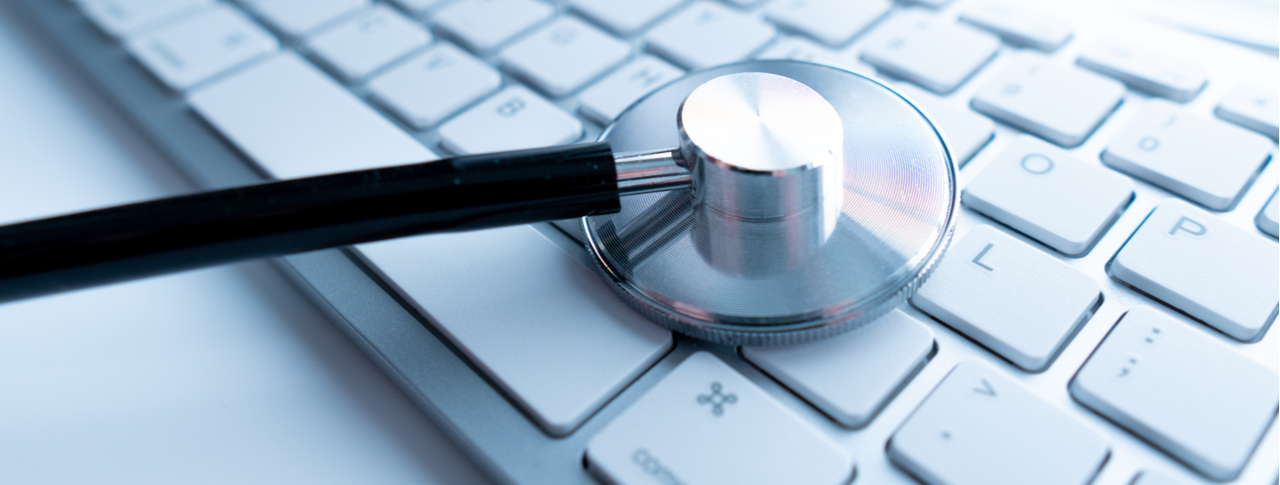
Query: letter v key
point(985, 389)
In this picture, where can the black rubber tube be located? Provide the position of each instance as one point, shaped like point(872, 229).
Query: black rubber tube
point(291, 216)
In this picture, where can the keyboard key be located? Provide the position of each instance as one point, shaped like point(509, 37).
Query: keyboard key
point(297, 18)
point(1267, 218)
point(369, 40)
point(1044, 192)
point(1145, 69)
point(1019, 25)
point(1154, 478)
point(1178, 389)
point(475, 24)
point(513, 119)
point(979, 427)
point(294, 121)
point(1251, 107)
point(120, 17)
point(964, 131)
point(200, 46)
point(991, 285)
point(1060, 104)
point(1205, 160)
point(934, 4)
point(606, 99)
point(625, 18)
point(1211, 270)
point(707, 34)
point(433, 85)
point(419, 7)
point(705, 423)
point(802, 49)
point(850, 377)
point(832, 22)
point(564, 55)
point(557, 341)
point(936, 54)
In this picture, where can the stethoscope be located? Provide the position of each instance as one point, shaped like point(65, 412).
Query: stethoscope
point(759, 203)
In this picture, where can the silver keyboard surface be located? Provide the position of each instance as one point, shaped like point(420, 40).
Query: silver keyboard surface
point(1103, 315)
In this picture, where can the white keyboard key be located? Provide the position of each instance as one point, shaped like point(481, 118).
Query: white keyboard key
point(1145, 69)
point(833, 22)
point(294, 121)
point(564, 55)
point(1211, 270)
point(1205, 160)
point(964, 131)
point(991, 285)
point(708, 34)
point(1019, 25)
point(929, 51)
point(850, 377)
point(1154, 478)
point(200, 46)
point(486, 24)
point(433, 85)
point(419, 7)
point(1267, 219)
point(979, 427)
point(297, 18)
point(513, 119)
point(120, 17)
point(705, 423)
point(1044, 192)
point(1180, 390)
point(802, 49)
point(1254, 108)
point(625, 18)
point(367, 41)
point(1060, 104)
point(606, 99)
point(557, 341)
point(934, 4)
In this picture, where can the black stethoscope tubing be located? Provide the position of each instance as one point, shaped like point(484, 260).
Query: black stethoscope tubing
point(284, 217)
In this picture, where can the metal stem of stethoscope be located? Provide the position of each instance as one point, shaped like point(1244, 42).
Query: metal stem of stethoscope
point(759, 176)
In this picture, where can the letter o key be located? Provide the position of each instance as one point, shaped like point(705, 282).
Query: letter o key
point(1037, 163)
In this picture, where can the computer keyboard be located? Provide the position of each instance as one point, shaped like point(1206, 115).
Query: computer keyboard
point(1102, 315)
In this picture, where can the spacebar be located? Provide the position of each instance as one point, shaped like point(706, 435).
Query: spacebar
point(294, 121)
point(538, 323)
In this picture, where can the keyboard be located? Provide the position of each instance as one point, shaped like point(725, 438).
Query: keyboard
point(1102, 315)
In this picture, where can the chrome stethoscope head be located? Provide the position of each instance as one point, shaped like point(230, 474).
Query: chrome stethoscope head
point(819, 200)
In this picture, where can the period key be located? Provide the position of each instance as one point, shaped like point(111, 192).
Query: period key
point(979, 427)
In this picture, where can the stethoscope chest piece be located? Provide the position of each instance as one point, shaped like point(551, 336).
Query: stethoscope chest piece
point(820, 200)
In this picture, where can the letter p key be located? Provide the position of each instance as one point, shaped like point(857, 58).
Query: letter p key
point(1188, 226)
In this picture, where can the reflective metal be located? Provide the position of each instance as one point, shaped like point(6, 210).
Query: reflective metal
point(799, 225)
point(651, 171)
